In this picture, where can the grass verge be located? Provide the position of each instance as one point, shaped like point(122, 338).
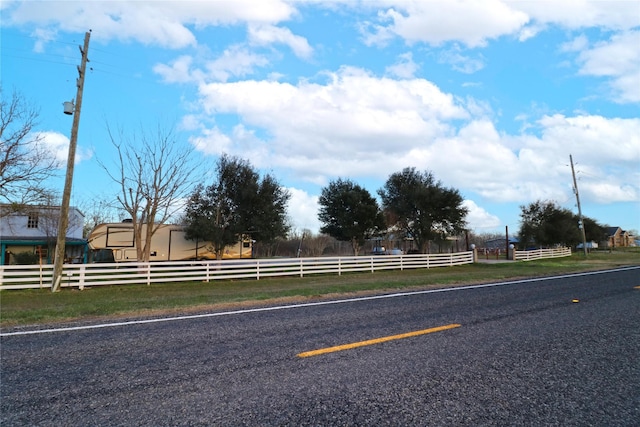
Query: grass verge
point(40, 306)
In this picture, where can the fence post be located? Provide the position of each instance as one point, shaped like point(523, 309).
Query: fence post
point(81, 277)
point(301, 268)
point(257, 269)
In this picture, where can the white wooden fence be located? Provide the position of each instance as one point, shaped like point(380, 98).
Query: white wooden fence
point(84, 275)
point(542, 253)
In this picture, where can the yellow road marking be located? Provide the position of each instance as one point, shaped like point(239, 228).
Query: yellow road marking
point(376, 340)
point(636, 287)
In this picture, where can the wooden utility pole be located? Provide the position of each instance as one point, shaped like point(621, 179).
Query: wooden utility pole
point(63, 221)
point(581, 223)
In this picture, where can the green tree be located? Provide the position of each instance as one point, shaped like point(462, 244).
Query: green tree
point(349, 213)
point(544, 223)
point(424, 209)
point(594, 231)
point(238, 202)
point(267, 211)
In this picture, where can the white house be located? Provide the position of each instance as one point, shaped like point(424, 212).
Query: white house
point(34, 230)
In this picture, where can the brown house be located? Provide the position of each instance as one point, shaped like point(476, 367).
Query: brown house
point(618, 238)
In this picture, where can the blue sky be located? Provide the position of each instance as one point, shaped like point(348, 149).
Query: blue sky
point(491, 96)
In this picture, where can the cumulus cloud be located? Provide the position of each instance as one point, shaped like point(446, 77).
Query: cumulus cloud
point(367, 127)
point(262, 35)
point(58, 145)
point(303, 210)
point(461, 62)
point(478, 218)
point(437, 22)
point(161, 23)
point(612, 15)
point(404, 68)
point(356, 119)
point(619, 59)
point(177, 71)
point(234, 62)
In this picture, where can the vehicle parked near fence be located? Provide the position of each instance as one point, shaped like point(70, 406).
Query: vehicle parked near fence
point(114, 242)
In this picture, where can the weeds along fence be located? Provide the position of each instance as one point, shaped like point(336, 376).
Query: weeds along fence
point(541, 253)
point(86, 275)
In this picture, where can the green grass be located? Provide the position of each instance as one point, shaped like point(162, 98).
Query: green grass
point(40, 306)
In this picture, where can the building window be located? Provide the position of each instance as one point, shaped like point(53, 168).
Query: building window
point(32, 220)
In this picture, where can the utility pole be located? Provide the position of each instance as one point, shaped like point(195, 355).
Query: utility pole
point(63, 221)
point(581, 222)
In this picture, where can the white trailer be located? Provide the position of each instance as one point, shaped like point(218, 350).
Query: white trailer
point(115, 242)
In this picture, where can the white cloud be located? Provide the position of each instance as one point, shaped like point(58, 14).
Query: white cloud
point(303, 210)
point(460, 62)
point(262, 35)
point(618, 58)
point(354, 124)
point(611, 14)
point(212, 141)
point(178, 71)
point(478, 218)
point(404, 68)
point(236, 61)
point(471, 23)
point(364, 127)
point(43, 36)
point(530, 31)
point(162, 23)
point(610, 192)
point(576, 45)
point(58, 145)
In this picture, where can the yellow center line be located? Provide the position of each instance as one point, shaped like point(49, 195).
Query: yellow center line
point(377, 340)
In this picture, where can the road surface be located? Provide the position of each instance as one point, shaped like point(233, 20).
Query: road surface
point(557, 351)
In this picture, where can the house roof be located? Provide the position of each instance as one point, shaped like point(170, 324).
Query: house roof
point(611, 231)
point(24, 208)
point(31, 240)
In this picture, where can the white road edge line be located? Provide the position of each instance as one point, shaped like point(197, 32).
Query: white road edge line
point(309, 304)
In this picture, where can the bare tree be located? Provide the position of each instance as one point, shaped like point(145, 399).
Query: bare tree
point(154, 176)
point(25, 162)
point(317, 243)
point(97, 211)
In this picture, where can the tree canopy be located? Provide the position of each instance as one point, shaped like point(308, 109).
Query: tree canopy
point(237, 203)
point(423, 208)
point(544, 223)
point(349, 212)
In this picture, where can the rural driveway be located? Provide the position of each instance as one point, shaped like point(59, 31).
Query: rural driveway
point(557, 351)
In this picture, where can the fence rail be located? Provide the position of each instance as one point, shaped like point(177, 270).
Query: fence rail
point(542, 253)
point(85, 275)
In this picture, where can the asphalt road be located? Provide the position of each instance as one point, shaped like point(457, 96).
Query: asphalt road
point(522, 353)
